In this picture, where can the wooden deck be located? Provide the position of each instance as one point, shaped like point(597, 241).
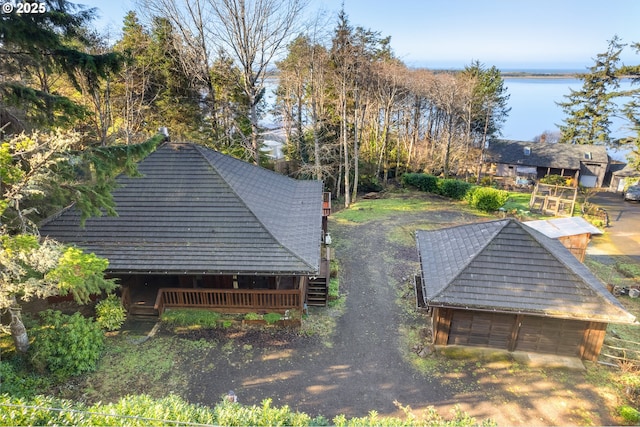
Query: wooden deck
point(229, 300)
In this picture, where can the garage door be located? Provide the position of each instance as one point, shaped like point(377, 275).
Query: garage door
point(481, 329)
point(588, 181)
point(553, 336)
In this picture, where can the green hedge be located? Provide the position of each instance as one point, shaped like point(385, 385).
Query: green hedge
point(421, 181)
point(453, 188)
point(142, 410)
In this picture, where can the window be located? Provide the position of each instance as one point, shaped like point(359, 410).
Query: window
point(527, 151)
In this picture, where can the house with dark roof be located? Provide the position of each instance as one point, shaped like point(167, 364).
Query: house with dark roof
point(504, 285)
point(202, 229)
point(586, 164)
point(622, 176)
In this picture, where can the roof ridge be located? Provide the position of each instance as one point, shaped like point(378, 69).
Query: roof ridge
point(548, 243)
point(478, 251)
point(200, 149)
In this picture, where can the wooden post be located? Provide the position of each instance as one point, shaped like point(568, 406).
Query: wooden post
point(442, 325)
point(515, 331)
point(592, 341)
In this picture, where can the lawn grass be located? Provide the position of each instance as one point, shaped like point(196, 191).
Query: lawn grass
point(369, 210)
point(517, 201)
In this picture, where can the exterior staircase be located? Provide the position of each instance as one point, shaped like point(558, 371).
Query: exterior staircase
point(143, 310)
point(318, 287)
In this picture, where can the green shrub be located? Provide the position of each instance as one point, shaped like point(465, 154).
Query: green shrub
point(334, 288)
point(272, 318)
point(453, 188)
point(487, 199)
point(191, 317)
point(110, 314)
point(421, 181)
point(486, 181)
point(17, 381)
point(368, 184)
point(630, 415)
point(333, 268)
point(66, 345)
point(555, 180)
point(252, 316)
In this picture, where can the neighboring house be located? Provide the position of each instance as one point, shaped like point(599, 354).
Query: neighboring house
point(623, 176)
point(586, 163)
point(573, 232)
point(503, 285)
point(202, 229)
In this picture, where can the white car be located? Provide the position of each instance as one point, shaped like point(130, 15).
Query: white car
point(632, 193)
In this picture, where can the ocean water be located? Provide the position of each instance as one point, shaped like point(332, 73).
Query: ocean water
point(534, 109)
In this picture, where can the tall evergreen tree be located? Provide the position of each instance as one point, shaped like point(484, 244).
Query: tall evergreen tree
point(590, 108)
point(631, 108)
point(175, 97)
point(342, 58)
point(34, 49)
point(489, 107)
point(490, 100)
point(131, 90)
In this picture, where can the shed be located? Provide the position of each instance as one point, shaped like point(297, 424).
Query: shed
point(573, 232)
point(205, 230)
point(504, 285)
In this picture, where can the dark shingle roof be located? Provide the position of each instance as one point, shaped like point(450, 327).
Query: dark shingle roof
point(195, 210)
point(505, 266)
point(567, 156)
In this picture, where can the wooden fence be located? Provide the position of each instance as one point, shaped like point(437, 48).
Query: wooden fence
point(553, 199)
point(618, 351)
point(230, 300)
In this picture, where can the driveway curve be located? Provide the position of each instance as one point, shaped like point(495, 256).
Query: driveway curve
point(624, 223)
point(362, 366)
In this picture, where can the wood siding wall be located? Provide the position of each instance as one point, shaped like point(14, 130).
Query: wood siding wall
point(577, 244)
point(518, 332)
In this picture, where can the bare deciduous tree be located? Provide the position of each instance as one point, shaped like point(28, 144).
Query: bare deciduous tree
point(193, 20)
point(252, 33)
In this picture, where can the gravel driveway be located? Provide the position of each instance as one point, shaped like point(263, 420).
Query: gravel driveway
point(361, 367)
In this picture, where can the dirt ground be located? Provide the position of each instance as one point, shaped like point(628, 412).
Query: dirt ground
point(363, 366)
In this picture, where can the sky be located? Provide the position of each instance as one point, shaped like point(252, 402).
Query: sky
point(510, 34)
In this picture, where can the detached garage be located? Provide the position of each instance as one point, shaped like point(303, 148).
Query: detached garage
point(503, 285)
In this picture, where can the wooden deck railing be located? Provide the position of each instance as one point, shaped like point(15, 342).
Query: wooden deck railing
point(232, 300)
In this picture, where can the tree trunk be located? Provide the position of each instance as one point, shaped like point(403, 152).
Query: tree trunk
point(356, 154)
point(345, 148)
point(18, 331)
point(255, 129)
